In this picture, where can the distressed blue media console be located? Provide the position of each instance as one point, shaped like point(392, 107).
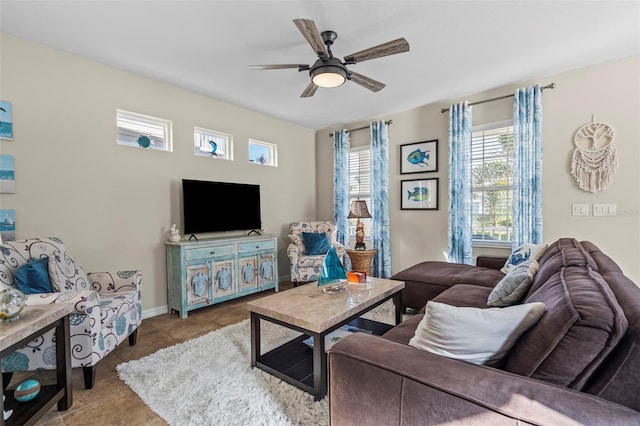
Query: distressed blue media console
point(205, 272)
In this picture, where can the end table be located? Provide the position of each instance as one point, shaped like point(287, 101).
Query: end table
point(361, 260)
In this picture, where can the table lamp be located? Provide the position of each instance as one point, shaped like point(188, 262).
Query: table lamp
point(359, 210)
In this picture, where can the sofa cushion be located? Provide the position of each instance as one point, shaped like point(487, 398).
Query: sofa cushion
point(33, 277)
point(582, 324)
point(426, 280)
point(569, 256)
point(66, 274)
point(471, 296)
point(479, 336)
point(526, 251)
point(116, 305)
point(513, 287)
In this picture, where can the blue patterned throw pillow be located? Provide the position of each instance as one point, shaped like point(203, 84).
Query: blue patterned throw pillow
point(33, 277)
point(315, 243)
point(526, 251)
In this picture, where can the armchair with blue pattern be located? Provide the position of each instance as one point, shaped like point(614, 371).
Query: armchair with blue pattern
point(305, 268)
point(108, 307)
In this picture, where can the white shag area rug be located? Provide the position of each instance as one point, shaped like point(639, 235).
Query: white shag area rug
point(209, 380)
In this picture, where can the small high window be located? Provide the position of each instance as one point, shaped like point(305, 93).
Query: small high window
point(143, 131)
point(263, 153)
point(209, 143)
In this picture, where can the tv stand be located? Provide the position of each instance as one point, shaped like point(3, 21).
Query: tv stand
point(193, 237)
point(254, 231)
point(209, 271)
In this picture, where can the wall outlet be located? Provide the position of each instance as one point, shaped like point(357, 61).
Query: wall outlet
point(605, 209)
point(580, 210)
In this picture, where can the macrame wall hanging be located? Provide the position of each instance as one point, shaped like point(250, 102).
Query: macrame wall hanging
point(594, 157)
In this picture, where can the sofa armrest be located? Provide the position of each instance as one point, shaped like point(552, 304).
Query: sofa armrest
point(84, 301)
point(493, 262)
point(373, 380)
point(106, 282)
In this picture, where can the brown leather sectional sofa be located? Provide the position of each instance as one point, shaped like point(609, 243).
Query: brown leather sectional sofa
point(580, 364)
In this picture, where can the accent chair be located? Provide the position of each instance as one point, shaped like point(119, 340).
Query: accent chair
point(108, 307)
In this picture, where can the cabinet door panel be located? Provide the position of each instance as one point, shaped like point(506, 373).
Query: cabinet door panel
point(266, 270)
point(223, 278)
point(248, 270)
point(198, 284)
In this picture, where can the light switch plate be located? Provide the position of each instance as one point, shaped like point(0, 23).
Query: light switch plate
point(605, 209)
point(580, 210)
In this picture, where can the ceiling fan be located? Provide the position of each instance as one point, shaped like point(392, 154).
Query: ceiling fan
point(329, 71)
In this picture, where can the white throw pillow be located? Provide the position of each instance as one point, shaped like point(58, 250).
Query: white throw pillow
point(512, 288)
point(523, 253)
point(480, 336)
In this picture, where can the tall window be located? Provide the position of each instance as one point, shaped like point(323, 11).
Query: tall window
point(360, 185)
point(492, 183)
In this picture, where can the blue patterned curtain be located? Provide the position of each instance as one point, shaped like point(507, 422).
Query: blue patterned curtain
point(381, 265)
point(341, 184)
point(527, 165)
point(460, 183)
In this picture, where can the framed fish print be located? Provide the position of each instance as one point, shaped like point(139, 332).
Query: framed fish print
point(419, 157)
point(419, 194)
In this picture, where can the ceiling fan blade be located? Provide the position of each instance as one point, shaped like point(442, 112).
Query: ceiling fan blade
point(385, 49)
point(301, 67)
point(309, 91)
point(366, 82)
point(310, 32)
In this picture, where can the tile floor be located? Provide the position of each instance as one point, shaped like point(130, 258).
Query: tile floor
point(111, 401)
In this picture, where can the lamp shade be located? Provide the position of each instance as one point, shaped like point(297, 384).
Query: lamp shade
point(328, 73)
point(359, 210)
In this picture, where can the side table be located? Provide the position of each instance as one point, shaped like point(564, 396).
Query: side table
point(361, 260)
point(33, 322)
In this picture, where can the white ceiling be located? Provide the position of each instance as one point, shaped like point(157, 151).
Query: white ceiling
point(457, 48)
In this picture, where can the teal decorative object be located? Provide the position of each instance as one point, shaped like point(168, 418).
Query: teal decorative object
point(27, 390)
point(144, 141)
point(333, 278)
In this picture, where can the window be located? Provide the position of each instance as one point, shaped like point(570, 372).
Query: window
point(360, 185)
point(209, 143)
point(492, 184)
point(143, 131)
point(263, 153)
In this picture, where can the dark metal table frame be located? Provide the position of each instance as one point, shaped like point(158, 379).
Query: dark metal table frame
point(27, 413)
point(319, 387)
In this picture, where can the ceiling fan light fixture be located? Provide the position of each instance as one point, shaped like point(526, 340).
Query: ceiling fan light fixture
point(328, 76)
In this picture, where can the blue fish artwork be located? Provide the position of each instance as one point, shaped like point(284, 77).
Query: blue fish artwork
point(214, 148)
point(418, 194)
point(418, 157)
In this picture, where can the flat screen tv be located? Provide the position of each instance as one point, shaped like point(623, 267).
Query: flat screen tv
point(220, 206)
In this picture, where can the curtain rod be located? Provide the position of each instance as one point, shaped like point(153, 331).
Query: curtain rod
point(548, 86)
point(362, 128)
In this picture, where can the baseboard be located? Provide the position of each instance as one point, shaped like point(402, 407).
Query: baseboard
point(148, 313)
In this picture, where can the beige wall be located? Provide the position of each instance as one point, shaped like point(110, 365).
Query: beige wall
point(611, 91)
point(113, 205)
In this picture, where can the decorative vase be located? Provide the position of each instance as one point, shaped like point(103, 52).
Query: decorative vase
point(333, 278)
point(12, 302)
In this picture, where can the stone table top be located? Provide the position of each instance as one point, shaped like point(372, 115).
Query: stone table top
point(308, 307)
point(31, 319)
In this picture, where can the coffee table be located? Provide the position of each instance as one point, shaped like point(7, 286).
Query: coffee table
point(314, 313)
